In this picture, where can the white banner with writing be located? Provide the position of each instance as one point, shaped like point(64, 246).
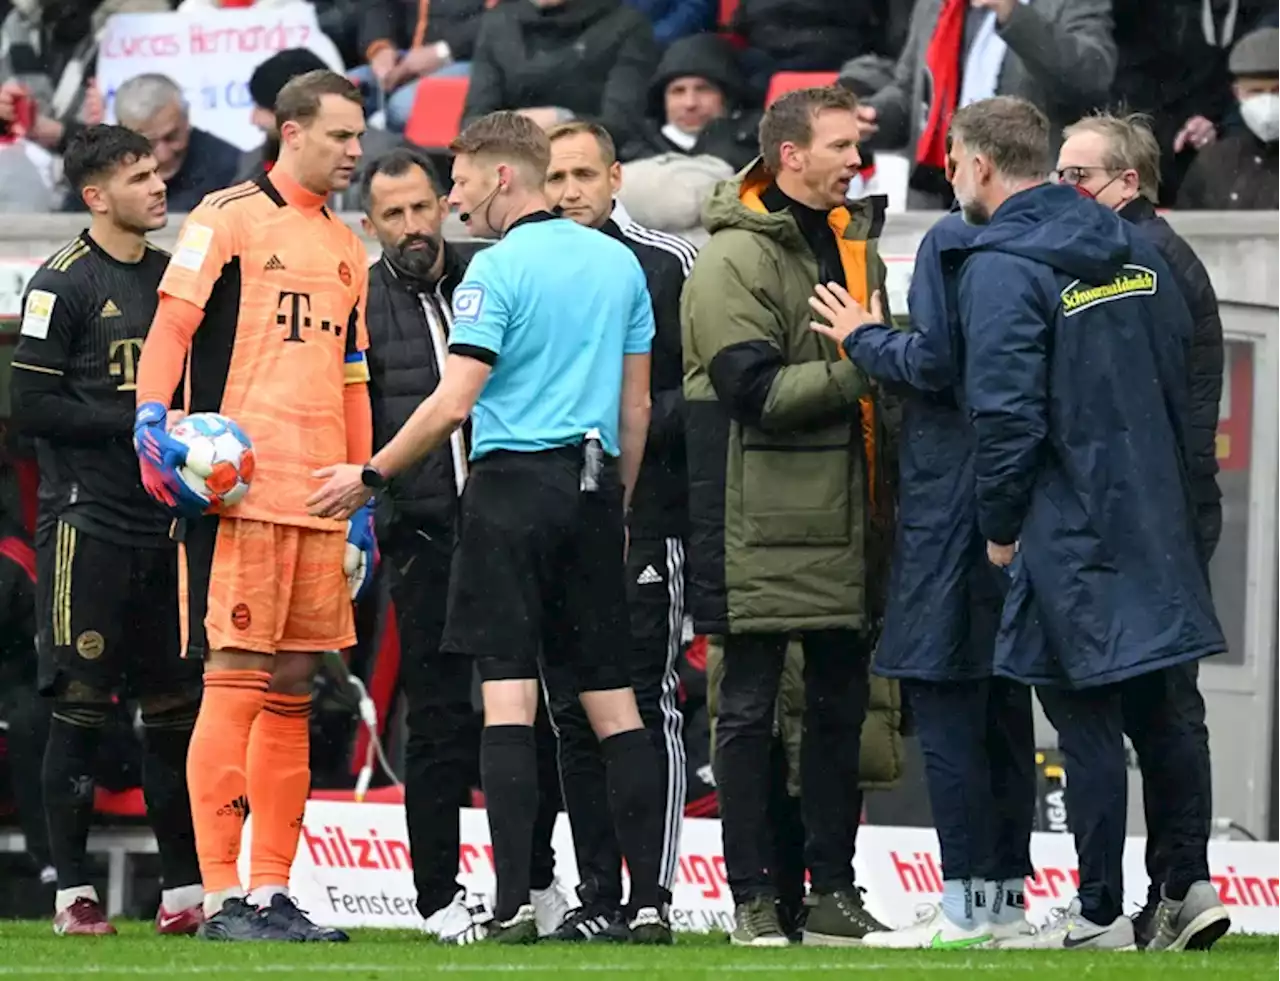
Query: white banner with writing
point(353, 869)
point(211, 54)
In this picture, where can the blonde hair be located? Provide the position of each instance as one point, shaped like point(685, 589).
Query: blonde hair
point(508, 137)
point(1130, 146)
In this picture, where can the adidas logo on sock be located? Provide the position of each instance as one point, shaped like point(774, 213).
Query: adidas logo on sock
point(649, 577)
point(273, 264)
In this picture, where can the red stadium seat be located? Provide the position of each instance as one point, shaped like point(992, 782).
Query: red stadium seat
point(727, 9)
point(784, 82)
point(437, 112)
point(124, 804)
point(378, 795)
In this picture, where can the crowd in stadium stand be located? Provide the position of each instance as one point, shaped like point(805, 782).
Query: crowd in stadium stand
point(680, 85)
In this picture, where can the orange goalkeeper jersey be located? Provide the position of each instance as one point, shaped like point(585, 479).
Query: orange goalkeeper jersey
point(283, 284)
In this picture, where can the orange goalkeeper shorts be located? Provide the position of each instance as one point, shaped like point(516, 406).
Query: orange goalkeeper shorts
point(265, 588)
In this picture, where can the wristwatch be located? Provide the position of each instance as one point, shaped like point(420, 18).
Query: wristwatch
point(372, 477)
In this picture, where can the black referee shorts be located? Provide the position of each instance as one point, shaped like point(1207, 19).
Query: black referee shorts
point(107, 617)
point(538, 571)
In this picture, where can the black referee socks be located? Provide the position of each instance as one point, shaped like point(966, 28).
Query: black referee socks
point(509, 775)
point(636, 798)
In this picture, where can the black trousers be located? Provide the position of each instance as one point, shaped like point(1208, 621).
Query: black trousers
point(836, 687)
point(28, 715)
point(978, 742)
point(443, 735)
point(655, 602)
point(1166, 726)
point(1090, 727)
point(1164, 719)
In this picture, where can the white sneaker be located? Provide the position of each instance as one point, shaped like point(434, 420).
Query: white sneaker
point(1009, 933)
point(1067, 929)
point(451, 920)
point(931, 930)
point(550, 907)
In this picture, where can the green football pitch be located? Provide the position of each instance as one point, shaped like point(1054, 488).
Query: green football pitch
point(30, 950)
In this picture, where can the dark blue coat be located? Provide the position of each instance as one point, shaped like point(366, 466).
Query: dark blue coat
point(1076, 345)
point(944, 596)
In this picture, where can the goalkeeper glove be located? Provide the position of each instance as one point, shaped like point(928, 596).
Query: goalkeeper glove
point(361, 559)
point(159, 457)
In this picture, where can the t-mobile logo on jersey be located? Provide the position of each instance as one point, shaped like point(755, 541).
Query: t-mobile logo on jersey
point(293, 311)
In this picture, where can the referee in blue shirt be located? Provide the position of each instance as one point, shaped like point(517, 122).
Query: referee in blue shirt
point(549, 356)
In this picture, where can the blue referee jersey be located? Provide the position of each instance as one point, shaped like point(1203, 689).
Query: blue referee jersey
point(553, 307)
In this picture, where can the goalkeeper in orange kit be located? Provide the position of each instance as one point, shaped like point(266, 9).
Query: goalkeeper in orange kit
point(264, 300)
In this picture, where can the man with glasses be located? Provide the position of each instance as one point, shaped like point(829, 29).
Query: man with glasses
point(1075, 384)
point(1116, 161)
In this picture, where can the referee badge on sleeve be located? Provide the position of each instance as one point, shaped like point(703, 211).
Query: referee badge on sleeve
point(467, 303)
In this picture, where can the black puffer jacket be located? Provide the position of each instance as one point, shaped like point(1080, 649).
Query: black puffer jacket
point(403, 370)
point(732, 138)
point(592, 57)
point(1204, 364)
point(814, 35)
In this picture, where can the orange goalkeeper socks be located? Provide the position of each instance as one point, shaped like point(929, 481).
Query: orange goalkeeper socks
point(279, 774)
point(216, 777)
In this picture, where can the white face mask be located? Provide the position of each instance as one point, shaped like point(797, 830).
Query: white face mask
point(1261, 113)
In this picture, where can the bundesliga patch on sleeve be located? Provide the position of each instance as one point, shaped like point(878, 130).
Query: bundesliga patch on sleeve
point(37, 314)
point(193, 246)
point(468, 301)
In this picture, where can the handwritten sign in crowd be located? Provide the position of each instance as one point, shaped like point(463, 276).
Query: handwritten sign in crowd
point(211, 54)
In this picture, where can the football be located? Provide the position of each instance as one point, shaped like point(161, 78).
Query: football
point(219, 458)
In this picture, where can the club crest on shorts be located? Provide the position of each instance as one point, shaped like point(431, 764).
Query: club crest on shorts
point(90, 645)
point(344, 273)
point(240, 616)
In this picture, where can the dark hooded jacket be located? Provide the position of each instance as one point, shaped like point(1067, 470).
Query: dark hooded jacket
point(1076, 347)
point(1204, 366)
point(733, 138)
point(944, 596)
point(591, 57)
point(788, 446)
point(813, 35)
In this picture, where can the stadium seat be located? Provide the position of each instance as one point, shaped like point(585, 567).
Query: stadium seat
point(784, 82)
point(727, 9)
point(437, 112)
point(121, 804)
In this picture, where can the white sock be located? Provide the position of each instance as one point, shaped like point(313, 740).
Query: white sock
point(1006, 900)
point(263, 895)
point(64, 898)
point(213, 900)
point(184, 897)
point(958, 901)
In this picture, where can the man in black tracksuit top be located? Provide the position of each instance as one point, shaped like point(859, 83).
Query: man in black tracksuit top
point(583, 177)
